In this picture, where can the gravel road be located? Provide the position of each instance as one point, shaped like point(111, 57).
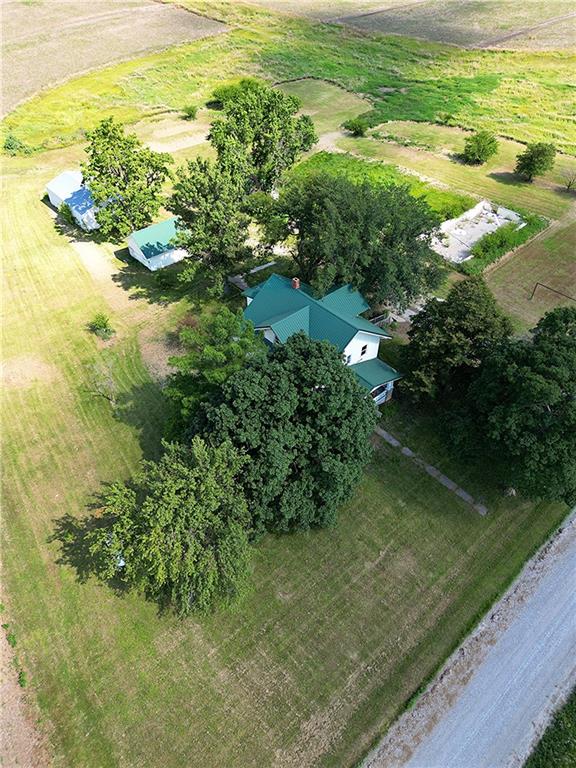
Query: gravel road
point(495, 696)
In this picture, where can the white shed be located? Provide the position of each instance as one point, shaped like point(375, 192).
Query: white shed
point(153, 247)
point(68, 188)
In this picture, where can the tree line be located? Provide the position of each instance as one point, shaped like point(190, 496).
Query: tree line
point(510, 401)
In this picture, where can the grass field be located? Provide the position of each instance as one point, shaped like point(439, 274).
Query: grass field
point(495, 181)
point(445, 203)
point(558, 745)
point(526, 96)
point(342, 626)
point(448, 141)
point(550, 259)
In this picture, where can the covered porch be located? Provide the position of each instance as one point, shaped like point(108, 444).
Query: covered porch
point(378, 378)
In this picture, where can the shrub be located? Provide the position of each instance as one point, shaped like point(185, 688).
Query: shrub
point(223, 94)
point(494, 245)
point(22, 680)
point(66, 214)
point(11, 637)
point(190, 112)
point(13, 146)
point(536, 159)
point(479, 147)
point(357, 126)
point(100, 326)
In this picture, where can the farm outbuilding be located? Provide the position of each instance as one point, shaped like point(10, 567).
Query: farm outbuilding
point(153, 246)
point(68, 189)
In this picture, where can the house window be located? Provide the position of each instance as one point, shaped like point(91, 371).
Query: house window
point(348, 359)
point(364, 350)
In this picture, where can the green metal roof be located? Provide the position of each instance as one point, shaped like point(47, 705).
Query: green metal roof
point(292, 323)
point(278, 305)
point(346, 300)
point(374, 373)
point(251, 291)
point(156, 238)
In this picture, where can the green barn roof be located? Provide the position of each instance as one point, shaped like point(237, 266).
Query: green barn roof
point(335, 317)
point(156, 238)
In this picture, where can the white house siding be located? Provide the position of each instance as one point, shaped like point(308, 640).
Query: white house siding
point(269, 335)
point(157, 262)
point(354, 348)
point(54, 198)
point(166, 258)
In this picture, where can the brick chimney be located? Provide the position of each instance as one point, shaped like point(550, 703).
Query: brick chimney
point(296, 283)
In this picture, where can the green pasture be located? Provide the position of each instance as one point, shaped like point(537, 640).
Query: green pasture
point(445, 203)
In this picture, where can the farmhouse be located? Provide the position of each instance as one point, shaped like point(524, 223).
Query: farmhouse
point(68, 189)
point(153, 246)
point(280, 307)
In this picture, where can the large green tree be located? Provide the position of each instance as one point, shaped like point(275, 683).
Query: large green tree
point(377, 238)
point(178, 532)
point(208, 200)
point(125, 179)
point(449, 340)
point(305, 423)
point(262, 129)
point(535, 160)
point(520, 411)
point(479, 147)
point(219, 345)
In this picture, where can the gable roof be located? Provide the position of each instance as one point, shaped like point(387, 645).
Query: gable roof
point(276, 304)
point(156, 238)
point(346, 300)
point(68, 187)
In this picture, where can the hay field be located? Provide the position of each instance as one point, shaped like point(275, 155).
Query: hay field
point(530, 25)
point(550, 260)
point(45, 43)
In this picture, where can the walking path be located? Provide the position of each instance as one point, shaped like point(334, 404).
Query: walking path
point(495, 696)
point(432, 471)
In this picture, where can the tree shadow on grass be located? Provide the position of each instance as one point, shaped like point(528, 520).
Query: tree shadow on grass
point(164, 286)
point(146, 409)
point(507, 177)
point(511, 179)
point(74, 538)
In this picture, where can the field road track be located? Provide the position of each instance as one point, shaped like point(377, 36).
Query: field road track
point(525, 31)
point(495, 696)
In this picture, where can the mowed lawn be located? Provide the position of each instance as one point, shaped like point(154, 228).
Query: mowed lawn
point(549, 259)
point(496, 182)
point(342, 626)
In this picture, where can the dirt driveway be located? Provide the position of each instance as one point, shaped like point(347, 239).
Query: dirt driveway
point(492, 701)
point(48, 41)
